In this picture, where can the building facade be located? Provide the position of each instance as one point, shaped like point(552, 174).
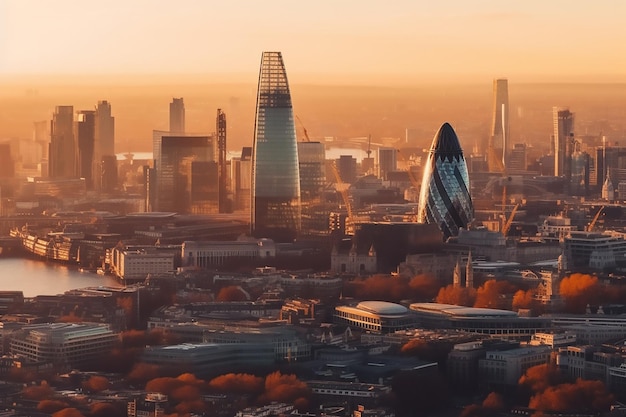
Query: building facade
point(177, 116)
point(563, 124)
point(499, 142)
point(85, 138)
point(65, 345)
point(445, 198)
point(276, 211)
point(62, 152)
point(104, 176)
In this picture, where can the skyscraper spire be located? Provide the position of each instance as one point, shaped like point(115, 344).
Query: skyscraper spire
point(456, 277)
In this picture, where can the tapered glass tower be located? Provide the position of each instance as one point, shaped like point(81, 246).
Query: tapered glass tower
point(275, 211)
point(444, 197)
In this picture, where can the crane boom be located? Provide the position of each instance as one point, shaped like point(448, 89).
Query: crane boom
point(306, 134)
point(507, 224)
point(595, 219)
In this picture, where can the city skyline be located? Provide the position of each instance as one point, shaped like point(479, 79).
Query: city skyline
point(400, 40)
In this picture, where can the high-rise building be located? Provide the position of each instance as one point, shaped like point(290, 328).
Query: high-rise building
point(444, 197)
point(563, 123)
point(276, 211)
point(104, 145)
point(499, 141)
point(387, 161)
point(346, 166)
point(220, 131)
point(85, 137)
point(241, 177)
point(518, 158)
point(312, 160)
point(177, 156)
point(177, 116)
point(62, 144)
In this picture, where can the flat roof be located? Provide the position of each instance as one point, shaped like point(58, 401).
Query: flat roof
point(456, 311)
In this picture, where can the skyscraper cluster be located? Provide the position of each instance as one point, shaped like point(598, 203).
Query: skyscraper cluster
point(82, 146)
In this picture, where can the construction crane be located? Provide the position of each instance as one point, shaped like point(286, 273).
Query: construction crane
point(306, 134)
point(594, 220)
point(507, 224)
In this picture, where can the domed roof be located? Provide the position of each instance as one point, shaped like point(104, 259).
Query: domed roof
point(382, 307)
point(446, 143)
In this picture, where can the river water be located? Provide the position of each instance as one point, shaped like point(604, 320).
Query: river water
point(35, 277)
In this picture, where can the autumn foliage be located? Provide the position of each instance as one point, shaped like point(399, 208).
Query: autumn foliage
point(286, 389)
point(460, 296)
point(393, 288)
point(550, 391)
point(231, 293)
point(237, 383)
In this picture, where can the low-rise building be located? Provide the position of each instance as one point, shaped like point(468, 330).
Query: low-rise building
point(375, 316)
point(65, 345)
point(210, 254)
point(504, 368)
point(136, 263)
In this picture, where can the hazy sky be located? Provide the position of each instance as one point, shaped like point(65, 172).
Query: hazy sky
point(322, 40)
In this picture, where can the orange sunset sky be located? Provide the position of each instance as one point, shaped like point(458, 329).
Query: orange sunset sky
point(345, 41)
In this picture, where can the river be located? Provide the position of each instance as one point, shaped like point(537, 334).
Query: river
point(35, 277)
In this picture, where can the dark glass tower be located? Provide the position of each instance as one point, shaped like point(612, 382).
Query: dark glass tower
point(275, 211)
point(444, 196)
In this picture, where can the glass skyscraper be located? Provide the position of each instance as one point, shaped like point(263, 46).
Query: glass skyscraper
point(275, 211)
point(444, 197)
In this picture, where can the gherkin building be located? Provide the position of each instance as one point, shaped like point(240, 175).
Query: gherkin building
point(444, 196)
point(275, 211)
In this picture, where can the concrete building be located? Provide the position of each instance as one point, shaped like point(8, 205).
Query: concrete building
point(136, 263)
point(387, 161)
point(64, 345)
point(594, 250)
point(203, 254)
point(209, 359)
point(504, 368)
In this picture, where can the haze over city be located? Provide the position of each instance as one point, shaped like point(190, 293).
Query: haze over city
point(312, 209)
point(356, 67)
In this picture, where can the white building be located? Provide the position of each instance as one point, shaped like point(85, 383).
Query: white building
point(137, 262)
point(206, 254)
point(375, 316)
point(595, 250)
point(65, 345)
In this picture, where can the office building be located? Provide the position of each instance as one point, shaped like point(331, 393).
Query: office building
point(220, 129)
point(65, 345)
point(505, 368)
point(563, 124)
point(387, 162)
point(311, 160)
point(85, 136)
point(444, 197)
point(177, 116)
point(241, 179)
point(276, 208)
point(62, 149)
point(104, 148)
point(499, 141)
point(517, 159)
point(179, 170)
point(594, 250)
point(346, 166)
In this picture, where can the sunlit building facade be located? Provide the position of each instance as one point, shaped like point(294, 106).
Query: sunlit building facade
point(276, 211)
point(499, 142)
point(444, 197)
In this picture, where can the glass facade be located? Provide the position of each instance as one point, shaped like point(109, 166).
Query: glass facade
point(276, 211)
point(444, 196)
